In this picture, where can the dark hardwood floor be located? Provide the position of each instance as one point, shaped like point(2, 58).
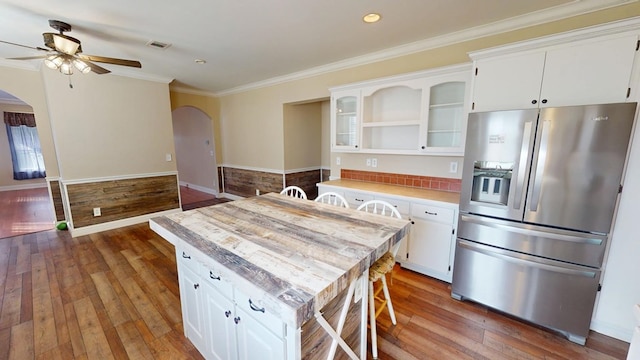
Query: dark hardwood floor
point(115, 294)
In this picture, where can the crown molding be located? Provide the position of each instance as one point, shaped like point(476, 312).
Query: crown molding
point(575, 8)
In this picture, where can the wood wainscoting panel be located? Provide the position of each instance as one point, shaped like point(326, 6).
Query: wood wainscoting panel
point(243, 182)
point(122, 199)
point(306, 180)
point(56, 197)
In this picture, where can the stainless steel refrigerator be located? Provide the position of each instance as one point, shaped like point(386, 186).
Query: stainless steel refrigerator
point(539, 191)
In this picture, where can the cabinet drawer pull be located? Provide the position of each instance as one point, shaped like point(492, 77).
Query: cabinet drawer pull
point(227, 313)
point(196, 286)
point(254, 307)
point(236, 319)
point(213, 276)
point(361, 200)
point(431, 213)
point(534, 101)
point(184, 255)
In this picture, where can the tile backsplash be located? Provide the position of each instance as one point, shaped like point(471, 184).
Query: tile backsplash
point(423, 182)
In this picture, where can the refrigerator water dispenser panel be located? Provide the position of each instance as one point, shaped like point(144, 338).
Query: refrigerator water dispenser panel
point(491, 182)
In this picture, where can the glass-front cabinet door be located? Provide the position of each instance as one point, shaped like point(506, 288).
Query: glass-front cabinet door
point(345, 112)
point(446, 116)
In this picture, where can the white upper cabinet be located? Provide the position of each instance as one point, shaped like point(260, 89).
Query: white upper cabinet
point(595, 70)
point(345, 124)
point(418, 113)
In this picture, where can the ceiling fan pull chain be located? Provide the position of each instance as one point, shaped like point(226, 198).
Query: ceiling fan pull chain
point(70, 84)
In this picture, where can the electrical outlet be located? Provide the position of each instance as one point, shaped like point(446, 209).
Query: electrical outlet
point(168, 157)
point(453, 167)
point(97, 212)
point(337, 160)
point(368, 162)
point(374, 162)
point(258, 192)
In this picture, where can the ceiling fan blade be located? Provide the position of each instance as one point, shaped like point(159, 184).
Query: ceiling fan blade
point(96, 68)
point(108, 60)
point(25, 46)
point(28, 57)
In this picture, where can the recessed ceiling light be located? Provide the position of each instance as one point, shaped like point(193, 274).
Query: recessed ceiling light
point(371, 18)
point(200, 61)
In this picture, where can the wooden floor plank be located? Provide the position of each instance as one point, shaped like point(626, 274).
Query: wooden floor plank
point(115, 309)
point(77, 344)
point(93, 336)
point(134, 344)
point(21, 346)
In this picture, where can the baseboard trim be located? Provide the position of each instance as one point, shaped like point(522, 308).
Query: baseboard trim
point(199, 188)
point(23, 187)
point(231, 196)
point(91, 229)
point(612, 330)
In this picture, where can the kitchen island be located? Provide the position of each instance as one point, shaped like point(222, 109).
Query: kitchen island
point(273, 276)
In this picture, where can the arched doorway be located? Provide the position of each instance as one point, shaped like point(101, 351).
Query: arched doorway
point(25, 205)
point(195, 150)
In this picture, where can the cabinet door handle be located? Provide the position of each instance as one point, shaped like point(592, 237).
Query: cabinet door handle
point(534, 101)
point(413, 222)
point(196, 286)
point(236, 319)
point(423, 147)
point(254, 307)
point(227, 313)
point(356, 146)
point(184, 255)
point(213, 276)
point(431, 213)
point(544, 101)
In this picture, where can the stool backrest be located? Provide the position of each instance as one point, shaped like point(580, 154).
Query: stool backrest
point(294, 191)
point(332, 198)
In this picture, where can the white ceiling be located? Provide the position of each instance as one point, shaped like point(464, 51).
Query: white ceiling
point(256, 41)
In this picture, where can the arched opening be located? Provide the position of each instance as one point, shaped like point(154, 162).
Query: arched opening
point(25, 203)
point(195, 155)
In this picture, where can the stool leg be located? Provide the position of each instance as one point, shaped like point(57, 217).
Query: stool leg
point(372, 320)
point(388, 297)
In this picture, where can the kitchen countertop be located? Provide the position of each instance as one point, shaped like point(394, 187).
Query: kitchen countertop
point(434, 195)
point(296, 255)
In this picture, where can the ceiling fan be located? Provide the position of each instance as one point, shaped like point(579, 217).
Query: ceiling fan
point(64, 53)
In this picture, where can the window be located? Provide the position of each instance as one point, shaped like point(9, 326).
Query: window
point(24, 146)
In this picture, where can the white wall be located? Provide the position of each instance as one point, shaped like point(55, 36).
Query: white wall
point(194, 144)
point(109, 125)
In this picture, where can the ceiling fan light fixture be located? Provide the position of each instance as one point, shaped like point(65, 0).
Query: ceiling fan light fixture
point(53, 61)
point(66, 67)
point(81, 66)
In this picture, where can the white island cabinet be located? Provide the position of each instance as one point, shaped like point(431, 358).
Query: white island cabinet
point(429, 248)
point(273, 277)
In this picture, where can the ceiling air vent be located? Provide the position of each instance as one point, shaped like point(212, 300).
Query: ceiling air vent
point(157, 44)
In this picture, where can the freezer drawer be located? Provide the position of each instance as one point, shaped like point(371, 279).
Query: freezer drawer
point(549, 293)
point(564, 245)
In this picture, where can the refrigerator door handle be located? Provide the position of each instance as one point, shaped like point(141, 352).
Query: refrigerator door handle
point(522, 259)
point(542, 159)
point(522, 163)
point(592, 240)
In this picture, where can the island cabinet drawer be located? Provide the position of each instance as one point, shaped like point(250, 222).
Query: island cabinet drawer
point(188, 259)
point(401, 205)
point(356, 199)
point(256, 309)
point(432, 213)
point(217, 281)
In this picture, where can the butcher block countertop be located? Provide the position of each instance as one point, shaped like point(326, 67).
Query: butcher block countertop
point(293, 255)
point(396, 190)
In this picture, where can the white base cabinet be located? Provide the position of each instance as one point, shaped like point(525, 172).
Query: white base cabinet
point(222, 322)
point(429, 247)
